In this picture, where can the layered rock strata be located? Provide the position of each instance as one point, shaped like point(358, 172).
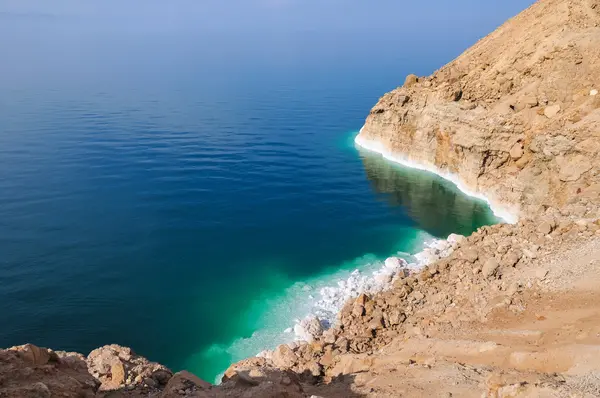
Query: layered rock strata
point(516, 117)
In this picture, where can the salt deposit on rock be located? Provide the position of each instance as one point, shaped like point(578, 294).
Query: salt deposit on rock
point(333, 298)
point(394, 263)
point(308, 329)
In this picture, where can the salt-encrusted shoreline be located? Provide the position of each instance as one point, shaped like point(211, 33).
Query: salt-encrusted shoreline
point(507, 215)
point(333, 298)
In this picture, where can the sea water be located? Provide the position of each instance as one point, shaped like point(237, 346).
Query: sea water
point(193, 191)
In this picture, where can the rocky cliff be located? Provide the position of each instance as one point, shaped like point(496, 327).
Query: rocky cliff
point(516, 117)
point(511, 311)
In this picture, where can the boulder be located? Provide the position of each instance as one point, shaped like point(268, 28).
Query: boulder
point(162, 377)
point(470, 255)
point(516, 152)
point(490, 267)
point(34, 355)
point(410, 80)
point(116, 366)
point(185, 381)
point(544, 228)
point(394, 263)
point(245, 364)
point(511, 259)
point(284, 357)
point(308, 329)
point(329, 336)
point(526, 101)
point(396, 316)
point(551, 111)
point(117, 372)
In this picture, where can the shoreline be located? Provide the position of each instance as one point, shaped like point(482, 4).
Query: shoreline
point(374, 146)
point(371, 282)
point(324, 297)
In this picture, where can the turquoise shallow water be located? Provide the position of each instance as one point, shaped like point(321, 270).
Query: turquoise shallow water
point(187, 199)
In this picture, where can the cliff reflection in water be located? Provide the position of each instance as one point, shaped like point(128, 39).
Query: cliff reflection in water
point(434, 204)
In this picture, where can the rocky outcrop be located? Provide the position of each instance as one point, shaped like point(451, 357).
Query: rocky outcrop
point(119, 367)
point(113, 371)
point(516, 117)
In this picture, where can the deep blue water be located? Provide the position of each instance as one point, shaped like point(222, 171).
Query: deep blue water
point(164, 190)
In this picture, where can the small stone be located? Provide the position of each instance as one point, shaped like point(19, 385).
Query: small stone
point(526, 101)
point(593, 92)
point(284, 357)
point(417, 295)
point(516, 152)
point(308, 329)
point(490, 268)
point(150, 382)
point(470, 255)
point(410, 80)
point(433, 269)
point(396, 317)
point(511, 259)
point(117, 371)
point(394, 263)
point(552, 111)
point(544, 228)
point(329, 336)
point(161, 376)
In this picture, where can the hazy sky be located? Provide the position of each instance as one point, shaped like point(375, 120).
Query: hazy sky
point(40, 38)
point(381, 15)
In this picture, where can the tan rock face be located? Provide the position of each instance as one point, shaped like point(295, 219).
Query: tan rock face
point(31, 371)
point(284, 357)
point(573, 167)
point(552, 111)
point(410, 80)
point(516, 151)
point(513, 119)
point(35, 355)
point(117, 367)
point(187, 383)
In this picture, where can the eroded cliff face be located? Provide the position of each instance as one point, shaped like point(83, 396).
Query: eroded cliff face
point(516, 117)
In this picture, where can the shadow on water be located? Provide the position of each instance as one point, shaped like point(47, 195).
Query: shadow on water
point(433, 203)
